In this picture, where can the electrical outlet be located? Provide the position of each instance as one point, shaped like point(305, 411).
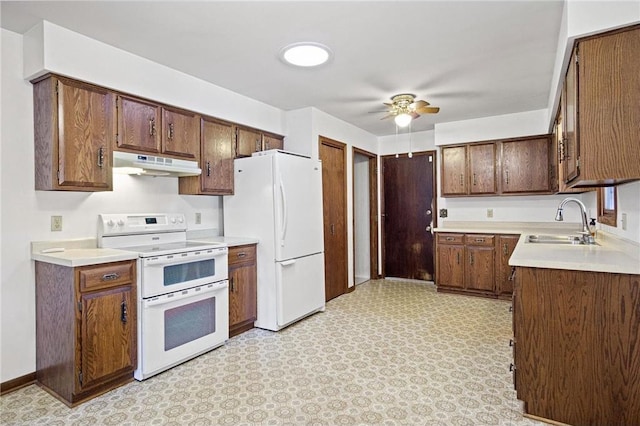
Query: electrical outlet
point(198, 218)
point(444, 212)
point(489, 212)
point(56, 223)
point(624, 221)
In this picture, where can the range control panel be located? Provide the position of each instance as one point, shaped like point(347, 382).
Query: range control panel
point(140, 223)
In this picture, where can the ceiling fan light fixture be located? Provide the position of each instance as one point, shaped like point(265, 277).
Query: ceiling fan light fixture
point(403, 119)
point(305, 54)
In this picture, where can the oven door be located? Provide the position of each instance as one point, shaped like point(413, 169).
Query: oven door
point(174, 272)
point(176, 327)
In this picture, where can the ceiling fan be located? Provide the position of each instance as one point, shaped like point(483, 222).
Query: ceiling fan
point(404, 108)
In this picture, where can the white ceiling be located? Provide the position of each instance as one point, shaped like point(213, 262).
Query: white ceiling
point(470, 58)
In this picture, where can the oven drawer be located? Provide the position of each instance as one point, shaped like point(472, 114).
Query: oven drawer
point(242, 254)
point(97, 277)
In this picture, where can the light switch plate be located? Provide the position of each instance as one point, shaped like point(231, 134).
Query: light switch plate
point(198, 218)
point(489, 212)
point(624, 221)
point(56, 223)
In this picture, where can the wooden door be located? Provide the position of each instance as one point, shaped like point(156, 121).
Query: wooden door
point(85, 136)
point(482, 168)
point(138, 125)
point(480, 268)
point(217, 157)
point(525, 166)
point(570, 120)
point(334, 203)
point(180, 133)
point(248, 141)
point(107, 335)
point(454, 169)
point(271, 142)
point(506, 245)
point(408, 206)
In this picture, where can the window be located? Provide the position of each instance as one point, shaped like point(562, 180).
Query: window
point(608, 205)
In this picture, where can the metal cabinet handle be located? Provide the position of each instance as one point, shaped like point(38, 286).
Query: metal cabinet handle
point(257, 145)
point(461, 179)
point(512, 367)
point(507, 173)
point(152, 127)
point(266, 145)
point(101, 157)
point(170, 131)
point(232, 284)
point(208, 168)
point(474, 178)
point(449, 238)
point(479, 240)
point(242, 254)
point(458, 257)
point(123, 312)
point(471, 259)
point(513, 274)
point(333, 229)
point(110, 277)
point(505, 249)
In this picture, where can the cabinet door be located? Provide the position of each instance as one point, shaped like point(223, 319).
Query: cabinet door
point(180, 133)
point(454, 166)
point(482, 168)
point(107, 335)
point(525, 166)
point(217, 157)
point(480, 268)
point(138, 125)
point(506, 245)
point(271, 142)
point(247, 142)
point(242, 295)
point(450, 261)
point(85, 136)
point(570, 120)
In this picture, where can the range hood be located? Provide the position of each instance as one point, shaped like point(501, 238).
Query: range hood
point(153, 165)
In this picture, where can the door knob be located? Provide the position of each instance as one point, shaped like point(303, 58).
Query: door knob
point(428, 228)
point(429, 212)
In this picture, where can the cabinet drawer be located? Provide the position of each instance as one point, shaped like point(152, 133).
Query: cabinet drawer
point(478, 240)
point(242, 254)
point(108, 275)
point(450, 238)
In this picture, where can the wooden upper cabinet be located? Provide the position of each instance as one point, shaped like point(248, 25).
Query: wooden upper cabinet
point(139, 125)
point(272, 142)
point(602, 89)
point(73, 133)
point(216, 161)
point(482, 168)
point(454, 170)
point(248, 141)
point(526, 165)
point(180, 133)
point(144, 126)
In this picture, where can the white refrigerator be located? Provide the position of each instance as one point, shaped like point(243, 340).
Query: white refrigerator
point(278, 200)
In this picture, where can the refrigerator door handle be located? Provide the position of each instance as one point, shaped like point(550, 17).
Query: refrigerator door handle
point(284, 213)
point(288, 262)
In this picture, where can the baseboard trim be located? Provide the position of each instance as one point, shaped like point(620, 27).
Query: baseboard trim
point(17, 383)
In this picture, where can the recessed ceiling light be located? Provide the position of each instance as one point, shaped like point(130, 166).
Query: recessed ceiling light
point(305, 54)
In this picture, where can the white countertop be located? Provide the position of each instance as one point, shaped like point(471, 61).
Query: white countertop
point(74, 253)
point(611, 254)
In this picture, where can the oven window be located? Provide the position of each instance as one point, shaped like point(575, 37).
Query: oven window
point(183, 272)
point(187, 323)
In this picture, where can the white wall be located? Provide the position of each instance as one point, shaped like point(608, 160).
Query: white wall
point(26, 212)
point(629, 203)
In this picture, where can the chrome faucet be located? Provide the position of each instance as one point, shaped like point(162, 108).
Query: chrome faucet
point(586, 235)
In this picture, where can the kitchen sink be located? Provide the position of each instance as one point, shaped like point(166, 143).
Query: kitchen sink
point(556, 239)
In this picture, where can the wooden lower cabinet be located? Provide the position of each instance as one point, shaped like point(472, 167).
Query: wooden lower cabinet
point(577, 357)
point(472, 264)
point(86, 341)
point(243, 280)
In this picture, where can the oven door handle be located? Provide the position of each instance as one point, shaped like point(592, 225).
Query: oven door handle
point(179, 258)
point(185, 294)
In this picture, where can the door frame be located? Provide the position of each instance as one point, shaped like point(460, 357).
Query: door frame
point(373, 211)
point(323, 140)
point(434, 213)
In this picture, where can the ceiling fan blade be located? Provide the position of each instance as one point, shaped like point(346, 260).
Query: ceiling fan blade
point(419, 104)
point(415, 115)
point(387, 116)
point(427, 110)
